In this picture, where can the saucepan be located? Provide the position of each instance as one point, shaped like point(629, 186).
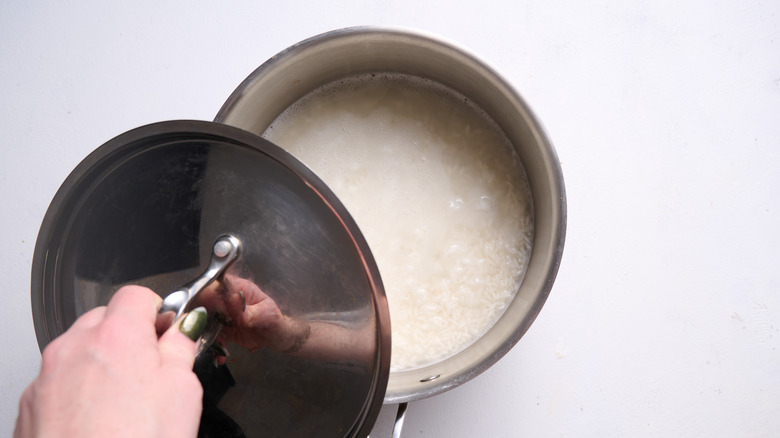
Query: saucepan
point(345, 53)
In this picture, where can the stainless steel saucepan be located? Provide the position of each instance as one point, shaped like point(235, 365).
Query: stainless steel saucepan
point(340, 54)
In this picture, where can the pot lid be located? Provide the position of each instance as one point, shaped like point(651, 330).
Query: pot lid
point(147, 207)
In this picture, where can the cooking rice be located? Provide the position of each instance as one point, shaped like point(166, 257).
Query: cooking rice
point(438, 193)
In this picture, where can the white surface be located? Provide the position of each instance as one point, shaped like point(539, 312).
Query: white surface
point(665, 317)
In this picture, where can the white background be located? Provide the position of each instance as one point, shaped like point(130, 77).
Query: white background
point(665, 317)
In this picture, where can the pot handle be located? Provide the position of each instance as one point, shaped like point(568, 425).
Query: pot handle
point(399, 419)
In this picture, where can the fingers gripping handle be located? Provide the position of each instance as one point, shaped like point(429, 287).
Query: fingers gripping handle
point(225, 251)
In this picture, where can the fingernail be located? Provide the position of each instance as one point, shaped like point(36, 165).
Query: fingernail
point(194, 323)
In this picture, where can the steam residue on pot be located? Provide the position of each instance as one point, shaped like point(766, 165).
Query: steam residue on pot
point(438, 192)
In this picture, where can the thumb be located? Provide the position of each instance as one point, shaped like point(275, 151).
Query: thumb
point(178, 344)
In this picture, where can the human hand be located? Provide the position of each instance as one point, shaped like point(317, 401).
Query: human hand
point(109, 375)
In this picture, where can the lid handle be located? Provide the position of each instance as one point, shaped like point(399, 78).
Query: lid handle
point(225, 251)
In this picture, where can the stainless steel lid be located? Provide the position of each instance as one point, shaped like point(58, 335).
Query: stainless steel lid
point(146, 208)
